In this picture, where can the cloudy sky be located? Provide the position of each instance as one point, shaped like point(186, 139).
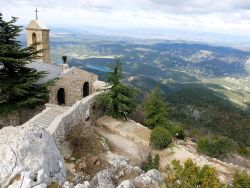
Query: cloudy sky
point(217, 16)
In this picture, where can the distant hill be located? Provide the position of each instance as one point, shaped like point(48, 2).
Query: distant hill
point(203, 110)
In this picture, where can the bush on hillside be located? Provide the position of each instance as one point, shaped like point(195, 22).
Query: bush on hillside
point(216, 146)
point(151, 163)
point(244, 151)
point(191, 175)
point(156, 109)
point(160, 138)
point(241, 180)
point(180, 135)
point(176, 129)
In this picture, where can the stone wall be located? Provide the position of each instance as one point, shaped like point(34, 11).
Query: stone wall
point(72, 82)
point(19, 117)
point(80, 112)
point(42, 36)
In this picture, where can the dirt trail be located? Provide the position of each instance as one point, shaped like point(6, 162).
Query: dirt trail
point(136, 152)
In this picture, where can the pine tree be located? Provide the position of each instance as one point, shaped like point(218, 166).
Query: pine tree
point(156, 109)
point(18, 84)
point(118, 101)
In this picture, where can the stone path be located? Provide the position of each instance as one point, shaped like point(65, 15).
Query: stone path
point(45, 118)
point(129, 129)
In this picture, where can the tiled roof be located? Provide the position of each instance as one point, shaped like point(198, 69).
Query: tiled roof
point(35, 24)
point(52, 70)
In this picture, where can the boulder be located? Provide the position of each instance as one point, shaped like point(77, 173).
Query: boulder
point(85, 185)
point(138, 170)
point(126, 184)
point(117, 161)
point(29, 158)
point(68, 185)
point(152, 178)
point(103, 179)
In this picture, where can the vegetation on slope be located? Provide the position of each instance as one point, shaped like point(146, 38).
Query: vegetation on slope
point(216, 146)
point(151, 163)
point(202, 110)
point(118, 101)
point(191, 175)
point(241, 180)
point(156, 109)
point(160, 138)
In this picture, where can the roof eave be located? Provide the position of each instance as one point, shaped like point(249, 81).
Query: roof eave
point(37, 29)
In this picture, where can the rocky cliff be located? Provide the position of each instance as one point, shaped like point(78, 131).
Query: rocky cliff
point(29, 158)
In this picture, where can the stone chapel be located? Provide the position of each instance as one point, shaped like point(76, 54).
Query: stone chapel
point(70, 83)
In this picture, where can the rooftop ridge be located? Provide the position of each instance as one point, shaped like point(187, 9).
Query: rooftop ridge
point(36, 25)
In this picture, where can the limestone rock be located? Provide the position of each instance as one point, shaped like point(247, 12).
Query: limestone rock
point(68, 185)
point(29, 158)
point(85, 185)
point(155, 174)
point(71, 185)
point(150, 179)
point(79, 178)
point(117, 161)
point(103, 179)
point(126, 184)
point(138, 169)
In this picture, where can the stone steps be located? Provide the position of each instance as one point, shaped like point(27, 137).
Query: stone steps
point(46, 119)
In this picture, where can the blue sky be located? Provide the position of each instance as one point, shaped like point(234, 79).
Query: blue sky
point(225, 16)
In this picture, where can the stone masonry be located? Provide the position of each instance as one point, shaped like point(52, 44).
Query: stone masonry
point(37, 32)
point(72, 82)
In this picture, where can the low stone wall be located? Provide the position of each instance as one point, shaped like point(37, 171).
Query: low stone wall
point(129, 129)
point(19, 117)
point(79, 113)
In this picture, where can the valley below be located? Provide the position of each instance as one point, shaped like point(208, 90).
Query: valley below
point(206, 86)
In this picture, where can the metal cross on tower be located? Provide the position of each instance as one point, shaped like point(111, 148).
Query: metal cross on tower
point(36, 14)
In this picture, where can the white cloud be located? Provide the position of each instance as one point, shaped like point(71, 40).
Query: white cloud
point(226, 16)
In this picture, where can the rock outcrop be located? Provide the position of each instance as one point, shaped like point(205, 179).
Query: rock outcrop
point(126, 184)
point(29, 158)
point(150, 179)
point(121, 169)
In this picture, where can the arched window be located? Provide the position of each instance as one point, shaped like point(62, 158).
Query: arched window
point(34, 40)
point(85, 89)
point(61, 96)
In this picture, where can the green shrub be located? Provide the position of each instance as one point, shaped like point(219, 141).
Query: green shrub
point(241, 180)
point(151, 163)
point(180, 135)
point(160, 137)
point(156, 109)
point(169, 126)
point(244, 151)
point(216, 146)
point(176, 129)
point(191, 175)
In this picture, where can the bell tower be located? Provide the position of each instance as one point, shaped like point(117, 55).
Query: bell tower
point(37, 32)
